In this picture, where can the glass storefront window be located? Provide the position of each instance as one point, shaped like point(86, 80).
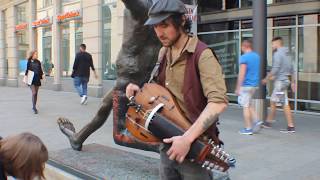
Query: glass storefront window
point(66, 1)
point(21, 13)
point(226, 47)
point(284, 21)
point(309, 72)
point(46, 3)
point(5, 26)
point(246, 3)
point(23, 47)
point(220, 26)
point(303, 47)
point(108, 69)
point(283, 1)
point(217, 5)
point(78, 35)
point(246, 24)
point(47, 54)
point(22, 37)
point(65, 50)
point(210, 5)
point(231, 4)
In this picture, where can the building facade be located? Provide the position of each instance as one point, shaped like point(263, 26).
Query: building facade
point(56, 28)
point(223, 24)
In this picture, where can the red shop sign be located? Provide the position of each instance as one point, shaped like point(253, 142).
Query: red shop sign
point(41, 22)
point(68, 15)
point(21, 26)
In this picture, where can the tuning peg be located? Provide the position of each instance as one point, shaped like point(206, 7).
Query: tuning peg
point(138, 108)
point(218, 153)
point(131, 98)
point(211, 165)
point(216, 167)
point(206, 163)
point(231, 162)
point(221, 169)
point(151, 100)
point(212, 152)
point(222, 158)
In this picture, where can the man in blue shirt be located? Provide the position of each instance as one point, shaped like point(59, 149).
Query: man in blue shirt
point(248, 82)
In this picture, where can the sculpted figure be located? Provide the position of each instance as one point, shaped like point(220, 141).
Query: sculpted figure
point(136, 59)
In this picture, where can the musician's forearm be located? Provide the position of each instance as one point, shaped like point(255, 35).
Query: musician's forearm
point(208, 116)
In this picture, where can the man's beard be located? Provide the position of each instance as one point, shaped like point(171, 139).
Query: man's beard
point(171, 43)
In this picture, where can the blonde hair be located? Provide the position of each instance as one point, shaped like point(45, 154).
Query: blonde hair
point(23, 156)
point(31, 53)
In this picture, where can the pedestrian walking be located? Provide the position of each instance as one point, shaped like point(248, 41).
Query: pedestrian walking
point(34, 73)
point(81, 72)
point(247, 84)
point(22, 156)
point(282, 69)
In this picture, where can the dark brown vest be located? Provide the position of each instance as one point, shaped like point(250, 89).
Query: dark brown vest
point(194, 99)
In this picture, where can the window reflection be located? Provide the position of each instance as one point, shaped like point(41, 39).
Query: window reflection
point(305, 55)
point(65, 50)
point(226, 47)
point(47, 47)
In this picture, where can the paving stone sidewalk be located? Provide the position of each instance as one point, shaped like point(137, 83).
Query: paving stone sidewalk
point(269, 155)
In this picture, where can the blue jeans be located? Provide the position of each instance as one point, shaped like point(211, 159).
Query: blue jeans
point(81, 85)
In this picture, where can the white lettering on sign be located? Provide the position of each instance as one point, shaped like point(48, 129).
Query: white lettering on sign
point(110, 2)
point(192, 15)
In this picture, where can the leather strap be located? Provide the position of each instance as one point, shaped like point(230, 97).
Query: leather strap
point(155, 70)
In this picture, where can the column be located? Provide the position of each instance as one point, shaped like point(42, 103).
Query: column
point(32, 33)
point(260, 46)
point(92, 37)
point(269, 40)
point(2, 51)
point(56, 45)
point(12, 48)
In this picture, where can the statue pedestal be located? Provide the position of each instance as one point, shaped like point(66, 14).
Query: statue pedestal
point(102, 162)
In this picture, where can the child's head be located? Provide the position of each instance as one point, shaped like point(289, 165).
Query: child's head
point(23, 156)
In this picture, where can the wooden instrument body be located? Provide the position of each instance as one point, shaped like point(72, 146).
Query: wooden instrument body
point(149, 97)
point(140, 118)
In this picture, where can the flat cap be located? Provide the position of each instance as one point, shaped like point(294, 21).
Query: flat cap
point(162, 9)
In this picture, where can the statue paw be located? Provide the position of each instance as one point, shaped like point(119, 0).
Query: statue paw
point(66, 126)
point(68, 129)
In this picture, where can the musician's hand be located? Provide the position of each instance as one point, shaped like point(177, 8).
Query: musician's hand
point(131, 90)
point(179, 148)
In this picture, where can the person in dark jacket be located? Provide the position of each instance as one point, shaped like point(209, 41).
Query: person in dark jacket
point(34, 65)
point(81, 72)
point(22, 156)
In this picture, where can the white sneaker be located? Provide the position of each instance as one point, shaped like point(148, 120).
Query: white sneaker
point(83, 99)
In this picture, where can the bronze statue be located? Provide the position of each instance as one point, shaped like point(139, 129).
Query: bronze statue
point(135, 62)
